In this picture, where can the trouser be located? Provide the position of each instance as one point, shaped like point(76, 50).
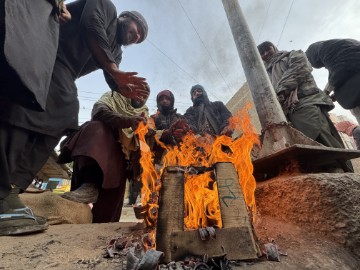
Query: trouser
point(315, 123)
point(22, 155)
point(110, 201)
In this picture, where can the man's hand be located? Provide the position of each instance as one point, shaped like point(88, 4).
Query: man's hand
point(179, 129)
point(131, 86)
point(178, 134)
point(136, 120)
point(151, 132)
point(65, 15)
point(227, 131)
point(130, 121)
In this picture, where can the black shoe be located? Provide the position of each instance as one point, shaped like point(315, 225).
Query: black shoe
point(86, 193)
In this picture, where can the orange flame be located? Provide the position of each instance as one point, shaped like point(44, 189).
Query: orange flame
point(202, 208)
point(201, 195)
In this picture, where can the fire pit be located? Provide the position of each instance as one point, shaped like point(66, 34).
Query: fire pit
point(202, 200)
point(235, 238)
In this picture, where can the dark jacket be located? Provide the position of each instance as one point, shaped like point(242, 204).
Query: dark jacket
point(341, 57)
point(27, 54)
point(92, 21)
point(215, 112)
point(164, 122)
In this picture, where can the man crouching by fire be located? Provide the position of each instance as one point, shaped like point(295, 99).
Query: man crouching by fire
point(105, 154)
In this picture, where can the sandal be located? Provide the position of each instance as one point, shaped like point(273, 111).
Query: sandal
point(21, 221)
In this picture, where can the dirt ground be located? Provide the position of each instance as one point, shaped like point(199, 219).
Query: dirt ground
point(310, 235)
point(81, 246)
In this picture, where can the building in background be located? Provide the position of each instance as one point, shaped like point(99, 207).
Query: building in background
point(239, 101)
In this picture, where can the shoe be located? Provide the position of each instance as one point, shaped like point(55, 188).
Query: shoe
point(21, 221)
point(86, 193)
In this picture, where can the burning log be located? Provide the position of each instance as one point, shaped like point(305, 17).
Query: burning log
point(235, 239)
point(171, 209)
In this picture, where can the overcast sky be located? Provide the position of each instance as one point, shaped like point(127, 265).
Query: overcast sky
point(190, 42)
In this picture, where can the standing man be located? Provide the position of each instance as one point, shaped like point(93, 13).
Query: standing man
point(206, 117)
point(303, 103)
point(341, 57)
point(92, 39)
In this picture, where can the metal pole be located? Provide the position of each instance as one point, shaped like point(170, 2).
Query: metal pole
point(267, 106)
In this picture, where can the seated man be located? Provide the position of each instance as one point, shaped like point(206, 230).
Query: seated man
point(167, 119)
point(168, 133)
point(103, 152)
point(206, 117)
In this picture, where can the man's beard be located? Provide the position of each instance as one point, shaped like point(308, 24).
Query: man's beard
point(198, 100)
point(136, 104)
point(122, 32)
point(165, 109)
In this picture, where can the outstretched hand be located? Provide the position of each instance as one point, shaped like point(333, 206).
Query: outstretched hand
point(227, 131)
point(179, 129)
point(333, 98)
point(65, 15)
point(131, 86)
point(136, 120)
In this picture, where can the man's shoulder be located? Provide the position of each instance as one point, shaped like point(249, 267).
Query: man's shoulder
point(190, 109)
point(108, 4)
point(217, 103)
point(297, 52)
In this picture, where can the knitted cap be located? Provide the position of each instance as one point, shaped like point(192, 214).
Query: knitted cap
point(140, 20)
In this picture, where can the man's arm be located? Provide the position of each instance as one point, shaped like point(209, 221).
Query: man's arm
point(114, 120)
point(97, 16)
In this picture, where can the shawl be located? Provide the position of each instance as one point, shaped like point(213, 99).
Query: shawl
point(287, 70)
point(122, 105)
